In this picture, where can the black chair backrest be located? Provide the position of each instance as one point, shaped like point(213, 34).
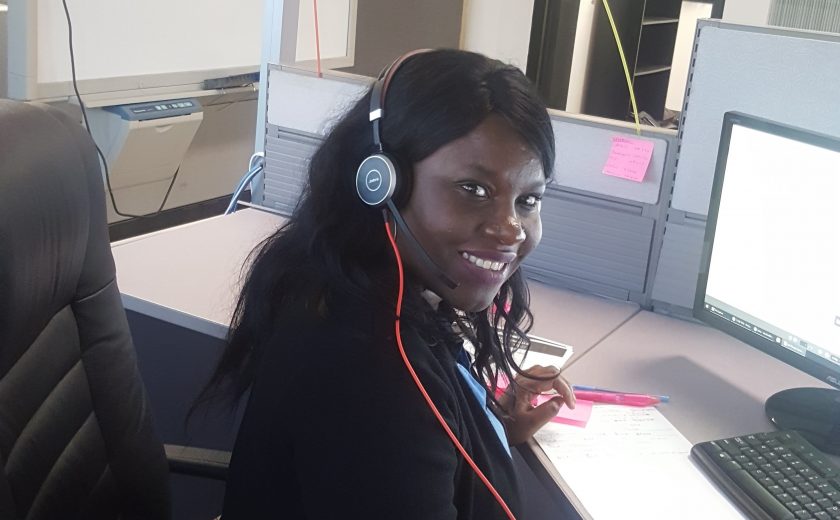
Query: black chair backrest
point(76, 439)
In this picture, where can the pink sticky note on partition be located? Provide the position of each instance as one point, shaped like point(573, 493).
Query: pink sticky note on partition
point(629, 158)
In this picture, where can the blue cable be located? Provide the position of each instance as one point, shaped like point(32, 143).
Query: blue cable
point(255, 166)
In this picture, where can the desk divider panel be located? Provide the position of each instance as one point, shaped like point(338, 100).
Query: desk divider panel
point(601, 234)
point(287, 156)
point(679, 263)
point(583, 145)
point(787, 75)
point(591, 248)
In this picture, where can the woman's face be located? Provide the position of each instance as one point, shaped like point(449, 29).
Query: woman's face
point(475, 209)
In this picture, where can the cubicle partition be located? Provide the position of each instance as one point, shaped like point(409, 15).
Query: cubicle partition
point(634, 241)
point(300, 109)
point(601, 233)
point(786, 75)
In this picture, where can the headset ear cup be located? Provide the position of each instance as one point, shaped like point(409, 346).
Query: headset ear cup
point(376, 180)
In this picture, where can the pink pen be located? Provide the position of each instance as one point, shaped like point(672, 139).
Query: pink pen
point(617, 398)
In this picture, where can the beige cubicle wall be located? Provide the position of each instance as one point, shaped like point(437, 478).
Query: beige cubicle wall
point(785, 75)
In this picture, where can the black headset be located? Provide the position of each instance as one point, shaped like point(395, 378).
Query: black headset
point(378, 179)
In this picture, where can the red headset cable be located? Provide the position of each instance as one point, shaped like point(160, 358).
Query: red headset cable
point(422, 389)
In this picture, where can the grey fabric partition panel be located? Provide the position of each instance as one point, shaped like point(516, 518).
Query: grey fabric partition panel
point(786, 75)
point(601, 234)
point(287, 156)
point(679, 263)
point(592, 248)
point(583, 145)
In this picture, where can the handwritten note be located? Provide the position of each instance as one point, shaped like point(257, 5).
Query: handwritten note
point(630, 462)
point(629, 158)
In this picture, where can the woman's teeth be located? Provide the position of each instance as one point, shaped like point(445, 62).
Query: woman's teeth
point(484, 264)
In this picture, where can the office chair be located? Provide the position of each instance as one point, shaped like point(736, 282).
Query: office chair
point(76, 436)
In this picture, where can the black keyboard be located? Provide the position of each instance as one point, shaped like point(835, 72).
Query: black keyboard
point(776, 475)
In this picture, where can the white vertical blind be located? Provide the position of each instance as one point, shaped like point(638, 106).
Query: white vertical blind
point(815, 15)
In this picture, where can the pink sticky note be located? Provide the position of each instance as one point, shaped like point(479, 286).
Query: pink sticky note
point(629, 158)
point(577, 417)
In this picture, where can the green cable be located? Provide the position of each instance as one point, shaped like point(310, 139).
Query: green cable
point(626, 68)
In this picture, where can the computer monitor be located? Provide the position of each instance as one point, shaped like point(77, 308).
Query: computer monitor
point(770, 270)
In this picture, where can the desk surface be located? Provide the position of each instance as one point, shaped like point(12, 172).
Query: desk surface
point(717, 383)
point(189, 275)
point(579, 320)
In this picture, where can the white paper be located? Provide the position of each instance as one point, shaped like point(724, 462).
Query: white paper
point(557, 355)
point(539, 358)
point(630, 462)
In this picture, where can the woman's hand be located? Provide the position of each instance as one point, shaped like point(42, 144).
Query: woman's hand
point(524, 419)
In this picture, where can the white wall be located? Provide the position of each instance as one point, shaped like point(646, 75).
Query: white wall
point(3, 59)
point(580, 55)
point(689, 14)
point(334, 29)
point(750, 12)
point(500, 29)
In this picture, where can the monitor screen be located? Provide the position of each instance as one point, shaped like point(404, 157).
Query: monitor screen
point(770, 271)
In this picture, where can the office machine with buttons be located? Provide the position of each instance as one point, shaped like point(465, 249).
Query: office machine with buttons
point(144, 144)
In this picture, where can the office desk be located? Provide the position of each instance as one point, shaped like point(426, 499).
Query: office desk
point(179, 286)
point(717, 384)
point(189, 275)
point(579, 320)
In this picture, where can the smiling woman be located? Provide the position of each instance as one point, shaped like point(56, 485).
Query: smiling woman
point(326, 326)
point(475, 208)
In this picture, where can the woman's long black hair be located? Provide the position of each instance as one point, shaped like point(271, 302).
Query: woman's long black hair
point(335, 245)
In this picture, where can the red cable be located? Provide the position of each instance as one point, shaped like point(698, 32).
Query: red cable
point(422, 389)
point(317, 40)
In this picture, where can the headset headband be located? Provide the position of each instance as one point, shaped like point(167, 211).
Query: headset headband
point(380, 88)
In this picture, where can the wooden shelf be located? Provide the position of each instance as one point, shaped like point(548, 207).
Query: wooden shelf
point(659, 20)
point(644, 71)
point(648, 30)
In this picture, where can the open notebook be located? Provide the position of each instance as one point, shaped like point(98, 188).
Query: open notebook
point(630, 462)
